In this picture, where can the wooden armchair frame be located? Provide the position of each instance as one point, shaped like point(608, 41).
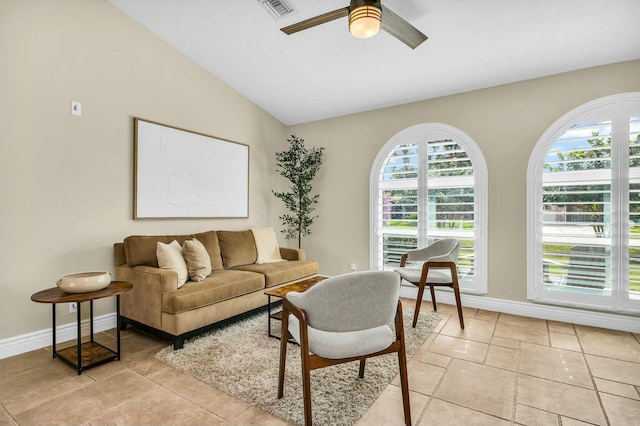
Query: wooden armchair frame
point(312, 361)
point(423, 282)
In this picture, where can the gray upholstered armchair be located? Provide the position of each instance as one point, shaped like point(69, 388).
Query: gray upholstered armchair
point(439, 268)
point(342, 319)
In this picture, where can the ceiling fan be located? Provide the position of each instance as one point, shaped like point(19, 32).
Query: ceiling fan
point(365, 19)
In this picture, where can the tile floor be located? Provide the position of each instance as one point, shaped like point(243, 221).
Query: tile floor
point(500, 370)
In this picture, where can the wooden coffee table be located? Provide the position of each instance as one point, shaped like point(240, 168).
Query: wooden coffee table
point(89, 354)
point(281, 292)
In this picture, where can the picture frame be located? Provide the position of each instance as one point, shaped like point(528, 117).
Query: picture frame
point(180, 174)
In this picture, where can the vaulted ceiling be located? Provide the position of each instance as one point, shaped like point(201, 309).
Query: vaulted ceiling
point(324, 72)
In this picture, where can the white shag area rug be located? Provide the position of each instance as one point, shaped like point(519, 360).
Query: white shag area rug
point(241, 360)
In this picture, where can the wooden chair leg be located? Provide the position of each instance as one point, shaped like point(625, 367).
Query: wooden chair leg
point(362, 363)
point(418, 303)
point(433, 298)
point(404, 378)
point(306, 391)
point(284, 333)
point(306, 374)
point(456, 292)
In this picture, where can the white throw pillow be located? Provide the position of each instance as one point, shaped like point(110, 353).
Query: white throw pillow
point(197, 258)
point(266, 245)
point(170, 257)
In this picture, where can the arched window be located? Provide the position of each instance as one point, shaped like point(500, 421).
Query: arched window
point(584, 208)
point(429, 182)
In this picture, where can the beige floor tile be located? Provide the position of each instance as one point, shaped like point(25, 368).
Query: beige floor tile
point(486, 315)
point(89, 402)
point(194, 390)
point(527, 322)
point(555, 364)
point(561, 327)
point(505, 358)
point(423, 378)
point(24, 390)
point(227, 407)
point(621, 411)
point(442, 323)
point(5, 418)
point(478, 387)
point(452, 309)
point(202, 417)
point(422, 348)
point(25, 361)
point(570, 401)
point(434, 358)
point(566, 421)
point(474, 329)
point(608, 343)
point(615, 388)
point(564, 341)
point(105, 371)
point(157, 407)
point(521, 333)
point(459, 348)
point(530, 416)
point(256, 416)
point(147, 365)
point(388, 409)
point(614, 370)
point(440, 413)
point(505, 343)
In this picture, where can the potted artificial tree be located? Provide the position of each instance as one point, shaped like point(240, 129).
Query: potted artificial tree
point(299, 165)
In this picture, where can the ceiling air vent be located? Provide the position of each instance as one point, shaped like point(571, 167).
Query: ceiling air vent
point(277, 8)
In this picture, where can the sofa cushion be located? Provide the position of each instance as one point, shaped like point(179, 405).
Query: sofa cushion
point(267, 248)
point(210, 242)
point(170, 257)
point(141, 249)
point(197, 258)
point(220, 285)
point(237, 248)
point(282, 272)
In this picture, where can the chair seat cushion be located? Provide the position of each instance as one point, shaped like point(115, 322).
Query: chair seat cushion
point(336, 345)
point(436, 275)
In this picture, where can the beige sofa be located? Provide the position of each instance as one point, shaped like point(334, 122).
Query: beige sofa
point(236, 284)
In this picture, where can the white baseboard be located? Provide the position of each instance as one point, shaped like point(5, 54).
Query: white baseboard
point(535, 310)
point(43, 338)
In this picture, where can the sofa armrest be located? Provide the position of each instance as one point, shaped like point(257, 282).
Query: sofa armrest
point(291, 253)
point(119, 258)
point(143, 303)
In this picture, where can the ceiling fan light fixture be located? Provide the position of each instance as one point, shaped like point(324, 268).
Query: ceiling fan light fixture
point(365, 21)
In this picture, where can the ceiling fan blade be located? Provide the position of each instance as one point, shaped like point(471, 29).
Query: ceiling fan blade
point(318, 20)
point(401, 29)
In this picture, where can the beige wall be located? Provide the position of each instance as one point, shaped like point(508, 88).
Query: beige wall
point(66, 181)
point(505, 122)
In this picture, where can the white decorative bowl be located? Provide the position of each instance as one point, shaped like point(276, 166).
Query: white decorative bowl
point(84, 282)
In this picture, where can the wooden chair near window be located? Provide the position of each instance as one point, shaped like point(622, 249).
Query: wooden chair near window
point(342, 319)
point(439, 269)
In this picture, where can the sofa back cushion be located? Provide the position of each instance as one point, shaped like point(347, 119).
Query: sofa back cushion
point(141, 249)
point(210, 242)
point(237, 247)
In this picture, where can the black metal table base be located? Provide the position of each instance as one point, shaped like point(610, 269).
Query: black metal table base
point(84, 356)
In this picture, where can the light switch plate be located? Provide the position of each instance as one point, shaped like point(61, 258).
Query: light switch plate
point(76, 108)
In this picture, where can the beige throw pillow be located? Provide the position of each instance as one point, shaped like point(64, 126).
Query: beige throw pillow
point(170, 257)
point(266, 245)
point(197, 258)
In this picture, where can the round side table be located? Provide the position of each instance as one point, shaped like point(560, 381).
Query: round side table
point(83, 356)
